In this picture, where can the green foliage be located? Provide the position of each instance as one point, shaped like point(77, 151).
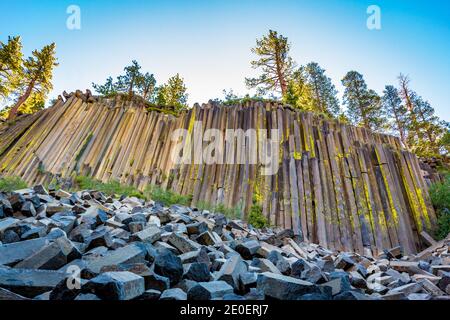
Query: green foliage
point(34, 103)
point(363, 104)
point(440, 197)
point(39, 69)
point(445, 143)
point(173, 94)
point(299, 93)
point(133, 82)
point(26, 82)
point(147, 87)
point(426, 131)
point(396, 113)
point(427, 135)
point(110, 188)
point(10, 65)
point(232, 99)
point(323, 91)
point(9, 184)
point(440, 194)
point(232, 213)
point(443, 224)
point(166, 197)
point(107, 89)
point(256, 217)
point(41, 168)
point(274, 62)
point(128, 82)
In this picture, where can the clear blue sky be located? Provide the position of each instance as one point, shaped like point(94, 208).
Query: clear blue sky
point(208, 42)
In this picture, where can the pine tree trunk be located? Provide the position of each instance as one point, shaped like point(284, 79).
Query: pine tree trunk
point(280, 74)
point(13, 112)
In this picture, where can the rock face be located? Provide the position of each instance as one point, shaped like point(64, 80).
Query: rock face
point(95, 247)
point(327, 170)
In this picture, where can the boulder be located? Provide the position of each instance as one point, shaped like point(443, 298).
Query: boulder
point(231, 271)
point(13, 253)
point(248, 249)
point(282, 287)
point(150, 234)
point(122, 285)
point(197, 271)
point(29, 283)
point(209, 290)
point(173, 294)
point(168, 265)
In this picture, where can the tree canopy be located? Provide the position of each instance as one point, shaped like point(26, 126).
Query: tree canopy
point(395, 112)
point(135, 82)
point(274, 62)
point(26, 82)
point(10, 65)
point(173, 93)
point(363, 104)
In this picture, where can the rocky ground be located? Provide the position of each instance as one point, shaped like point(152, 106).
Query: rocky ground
point(87, 246)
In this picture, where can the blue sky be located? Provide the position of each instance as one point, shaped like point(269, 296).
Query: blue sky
point(208, 42)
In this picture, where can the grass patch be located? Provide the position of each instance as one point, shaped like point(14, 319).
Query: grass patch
point(232, 213)
point(110, 188)
point(9, 184)
point(440, 197)
point(166, 197)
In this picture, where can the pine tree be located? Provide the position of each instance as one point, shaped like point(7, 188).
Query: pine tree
point(405, 92)
point(426, 132)
point(133, 82)
point(324, 93)
point(173, 93)
point(11, 60)
point(147, 87)
point(396, 112)
point(426, 129)
point(109, 88)
point(363, 104)
point(275, 63)
point(129, 81)
point(37, 77)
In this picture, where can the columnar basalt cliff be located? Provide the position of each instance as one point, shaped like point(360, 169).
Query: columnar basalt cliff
point(343, 187)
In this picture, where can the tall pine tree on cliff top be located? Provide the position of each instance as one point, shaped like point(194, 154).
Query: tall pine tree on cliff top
point(324, 93)
point(274, 62)
point(397, 114)
point(363, 104)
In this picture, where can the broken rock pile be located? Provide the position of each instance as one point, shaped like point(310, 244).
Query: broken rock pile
point(56, 245)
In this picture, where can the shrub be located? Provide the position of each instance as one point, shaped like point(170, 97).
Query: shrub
point(256, 217)
point(440, 194)
point(443, 224)
point(109, 188)
point(166, 197)
point(440, 197)
point(9, 184)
